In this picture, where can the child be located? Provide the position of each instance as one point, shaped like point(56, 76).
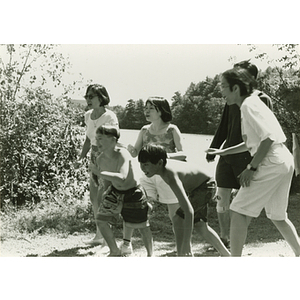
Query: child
point(190, 185)
point(160, 132)
point(122, 193)
point(266, 180)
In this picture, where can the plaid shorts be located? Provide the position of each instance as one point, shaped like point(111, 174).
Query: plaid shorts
point(130, 204)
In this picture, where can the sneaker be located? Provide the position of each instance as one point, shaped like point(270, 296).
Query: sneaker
point(126, 249)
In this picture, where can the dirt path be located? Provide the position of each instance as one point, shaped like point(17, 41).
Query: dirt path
point(73, 246)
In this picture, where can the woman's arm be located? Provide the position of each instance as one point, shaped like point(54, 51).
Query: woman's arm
point(231, 150)
point(221, 133)
point(86, 147)
point(247, 175)
point(261, 152)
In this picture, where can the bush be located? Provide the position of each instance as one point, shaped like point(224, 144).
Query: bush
point(39, 145)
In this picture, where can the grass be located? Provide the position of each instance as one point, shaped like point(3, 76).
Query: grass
point(65, 218)
point(261, 229)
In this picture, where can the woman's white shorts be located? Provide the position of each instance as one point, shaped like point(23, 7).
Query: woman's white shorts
point(269, 188)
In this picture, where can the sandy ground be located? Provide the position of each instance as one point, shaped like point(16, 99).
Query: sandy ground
point(73, 246)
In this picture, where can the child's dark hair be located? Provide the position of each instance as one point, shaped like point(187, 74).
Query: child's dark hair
point(162, 105)
point(110, 130)
point(246, 64)
point(152, 153)
point(101, 92)
point(242, 78)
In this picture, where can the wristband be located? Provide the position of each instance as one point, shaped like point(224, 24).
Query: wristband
point(249, 167)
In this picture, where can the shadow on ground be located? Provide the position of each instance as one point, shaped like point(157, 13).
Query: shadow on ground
point(83, 251)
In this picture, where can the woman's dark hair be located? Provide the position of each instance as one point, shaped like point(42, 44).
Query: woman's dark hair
point(162, 105)
point(110, 130)
point(152, 153)
point(242, 78)
point(246, 64)
point(101, 92)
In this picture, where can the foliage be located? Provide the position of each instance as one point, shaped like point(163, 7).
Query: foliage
point(38, 139)
point(133, 115)
point(282, 84)
point(199, 109)
point(58, 216)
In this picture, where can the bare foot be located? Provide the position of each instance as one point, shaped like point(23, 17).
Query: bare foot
point(115, 254)
point(95, 242)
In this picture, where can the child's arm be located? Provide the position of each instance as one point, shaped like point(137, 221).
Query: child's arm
point(179, 155)
point(134, 150)
point(176, 185)
point(94, 169)
point(119, 178)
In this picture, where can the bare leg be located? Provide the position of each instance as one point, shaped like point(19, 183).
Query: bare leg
point(95, 198)
point(147, 239)
point(178, 229)
point(127, 233)
point(108, 235)
point(223, 196)
point(238, 232)
point(211, 237)
point(172, 208)
point(288, 231)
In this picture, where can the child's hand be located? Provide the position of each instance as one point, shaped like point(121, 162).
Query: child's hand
point(131, 150)
point(93, 168)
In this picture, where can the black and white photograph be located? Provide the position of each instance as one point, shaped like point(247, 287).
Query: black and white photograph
point(127, 147)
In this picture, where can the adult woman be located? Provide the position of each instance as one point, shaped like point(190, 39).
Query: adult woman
point(230, 166)
point(159, 131)
point(97, 115)
point(266, 180)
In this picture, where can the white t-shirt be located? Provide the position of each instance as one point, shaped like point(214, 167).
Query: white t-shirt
point(108, 117)
point(259, 123)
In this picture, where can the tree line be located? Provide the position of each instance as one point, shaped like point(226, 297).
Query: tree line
point(200, 108)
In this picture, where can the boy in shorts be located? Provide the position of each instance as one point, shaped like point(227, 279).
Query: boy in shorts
point(122, 193)
point(190, 185)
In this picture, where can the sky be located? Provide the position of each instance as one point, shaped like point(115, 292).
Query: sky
point(138, 71)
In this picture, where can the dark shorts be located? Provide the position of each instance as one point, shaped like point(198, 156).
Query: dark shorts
point(229, 168)
point(131, 204)
point(199, 199)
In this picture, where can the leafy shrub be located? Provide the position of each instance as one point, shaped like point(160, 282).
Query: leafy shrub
point(39, 145)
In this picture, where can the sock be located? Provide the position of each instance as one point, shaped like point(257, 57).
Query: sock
point(126, 242)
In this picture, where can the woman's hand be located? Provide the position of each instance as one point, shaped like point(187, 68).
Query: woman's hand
point(245, 177)
point(213, 151)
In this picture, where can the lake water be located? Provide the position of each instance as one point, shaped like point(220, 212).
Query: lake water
point(194, 146)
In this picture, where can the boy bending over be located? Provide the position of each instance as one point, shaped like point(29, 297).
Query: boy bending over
point(190, 185)
point(122, 193)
